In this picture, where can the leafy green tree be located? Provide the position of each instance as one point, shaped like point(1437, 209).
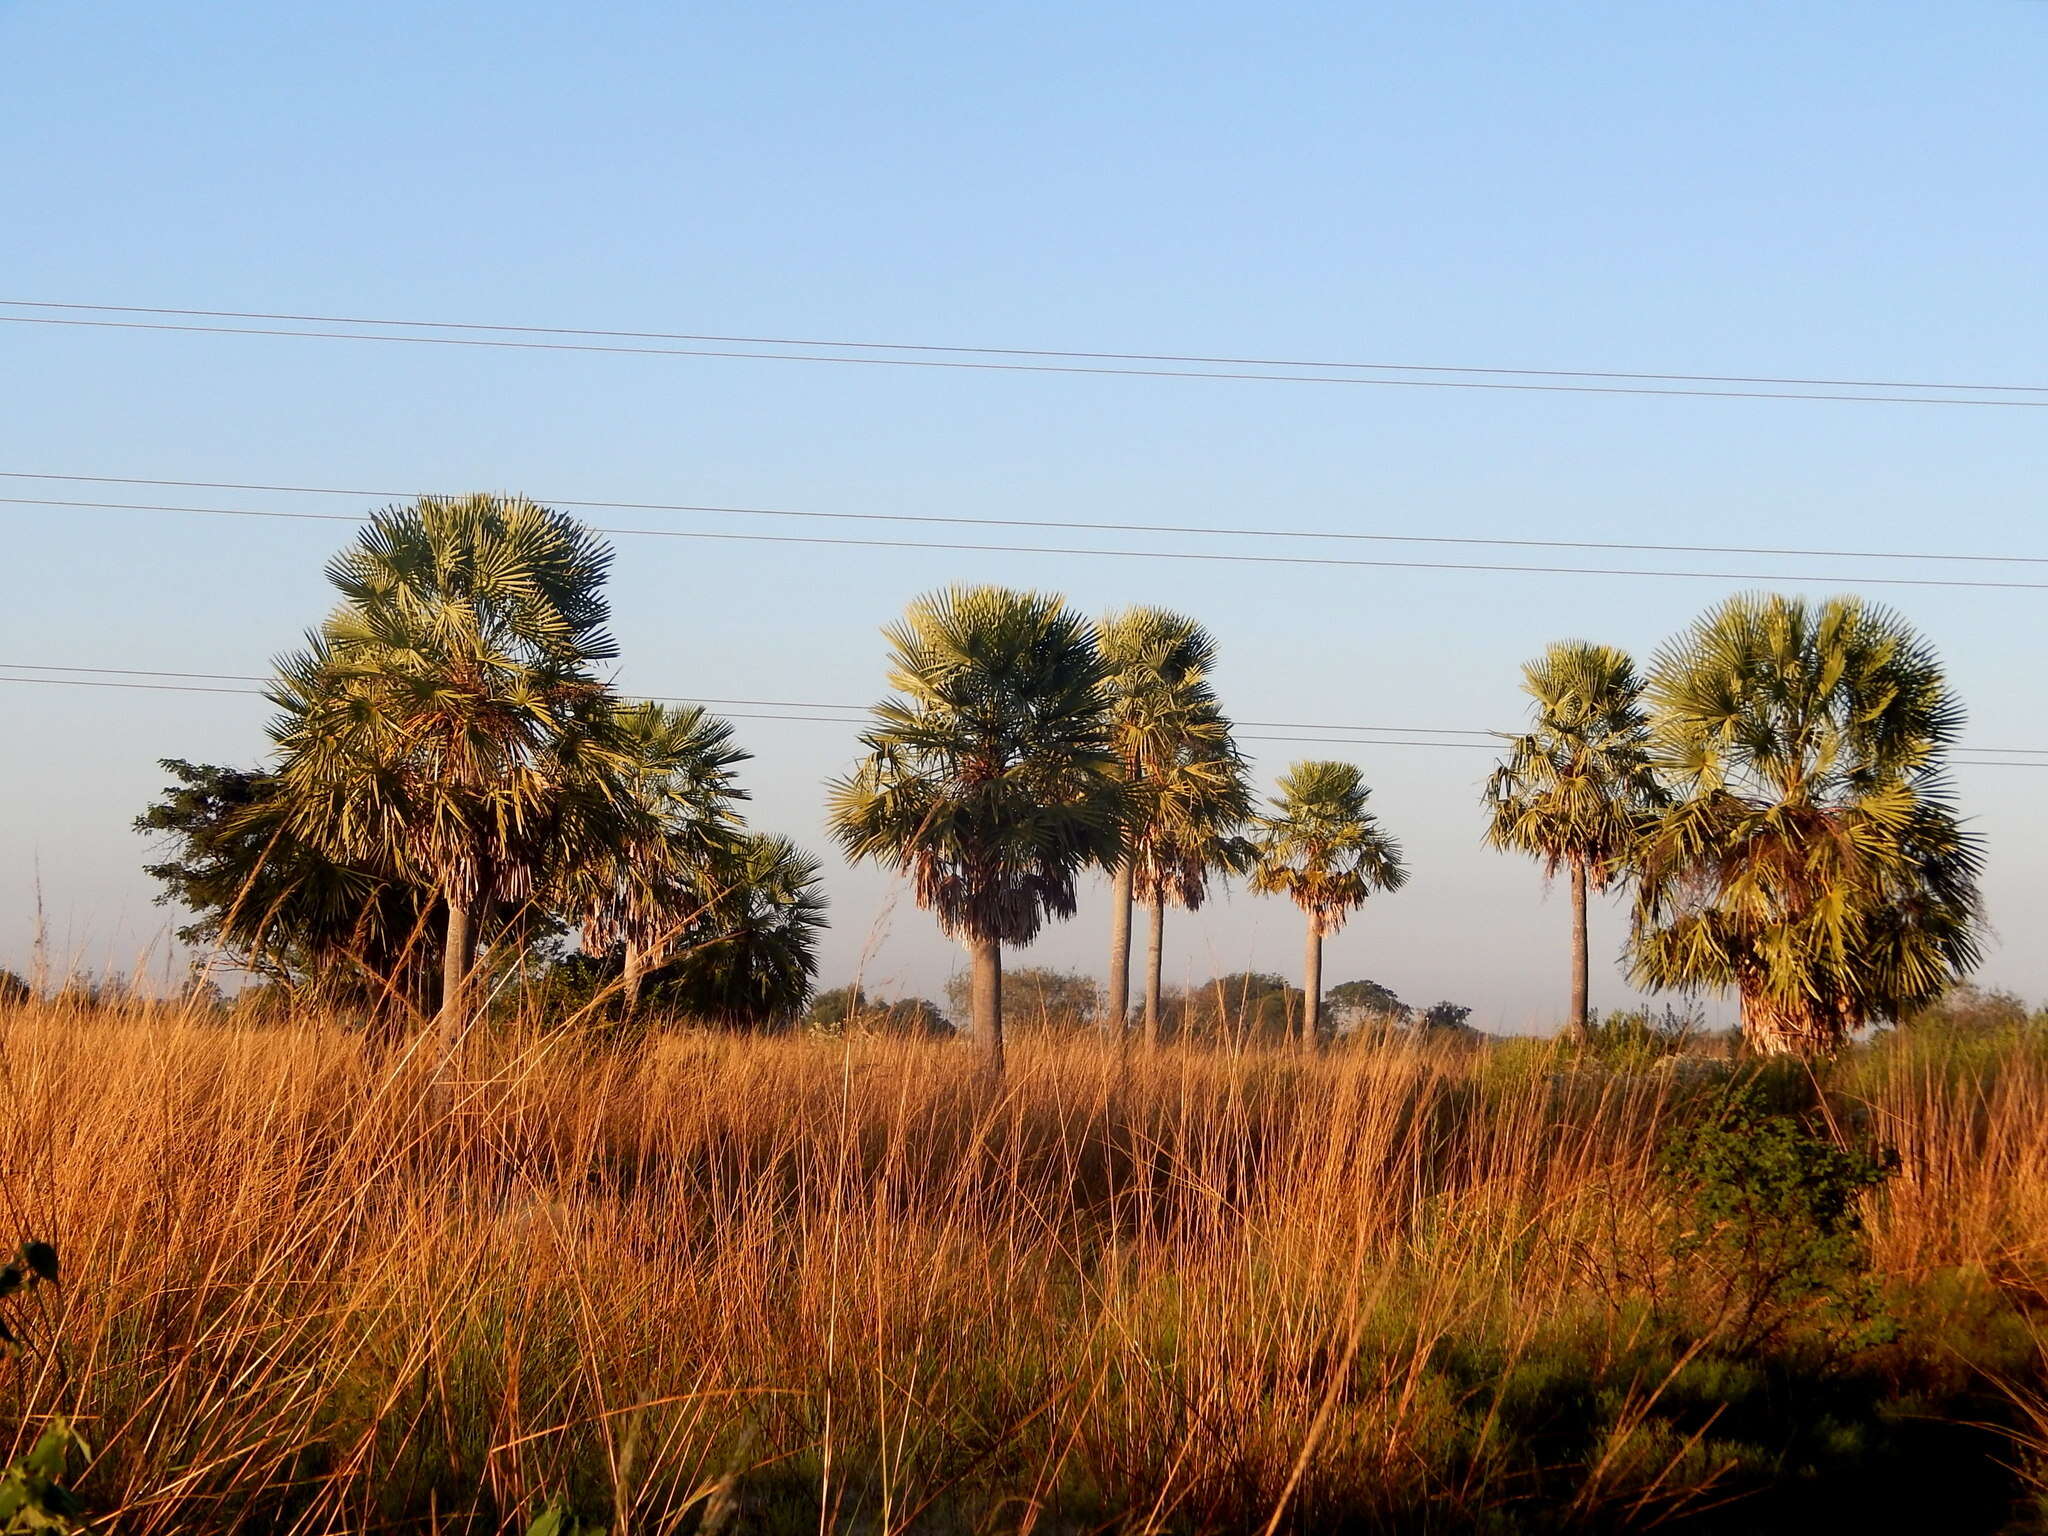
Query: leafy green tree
point(1320, 847)
point(1241, 1007)
point(445, 726)
point(1969, 1009)
point(844, 1008)
point(1039, 994)
point(1576, 787)
point(1188, 790)
point(1812, 861)
point(278, 906)
point(1445, 1015)
point(989, 777)
point(1368, 998)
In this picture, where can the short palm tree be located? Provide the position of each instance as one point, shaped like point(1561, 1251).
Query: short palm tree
point(1184, 778)
point(1577, 785)
point(755, 957)
point(1812, 861)
point(644, 891)
point(445, 726)
point(989, 777)
point(1320, 847)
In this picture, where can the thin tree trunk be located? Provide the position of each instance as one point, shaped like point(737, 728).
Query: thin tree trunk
point(636, 970)
point(1119, 997)
point(1581, 1020)
point(1312, 988)
point(456, 958)
point(987, 957)
point(1155, 960)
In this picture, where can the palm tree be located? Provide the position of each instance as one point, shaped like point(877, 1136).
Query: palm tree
point(1322, 848)
point(646, 890)
point(1183, 775)
point(444, 725)
point(988, 777)
point(1812, 861)
point(1194, 806)
point(1576, 786)
point(757, 955)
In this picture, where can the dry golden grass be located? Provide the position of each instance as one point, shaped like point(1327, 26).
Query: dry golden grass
point(809, 1284)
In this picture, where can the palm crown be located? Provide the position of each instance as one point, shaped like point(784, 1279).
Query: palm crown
point(988, 777)
point(1814, 861)
point(646, 888)
point(1321, 847)
point(1574, 787)
point(1186, 780)
point(445, 725)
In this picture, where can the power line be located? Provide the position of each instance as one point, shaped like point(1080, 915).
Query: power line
point(1044, 368)
point(1492, 744)
point(675, 698)
point(1013, 522)
point(670, 698)
point(1233, 558)
point(1127, 357)
point(258, 693)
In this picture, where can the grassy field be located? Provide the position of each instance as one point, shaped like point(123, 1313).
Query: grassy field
point(796, 1284)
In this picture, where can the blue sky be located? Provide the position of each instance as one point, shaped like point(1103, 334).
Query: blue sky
point(1848, 190)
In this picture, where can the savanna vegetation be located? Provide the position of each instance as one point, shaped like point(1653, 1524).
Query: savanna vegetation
point(521, 1175)
point(314, 1281)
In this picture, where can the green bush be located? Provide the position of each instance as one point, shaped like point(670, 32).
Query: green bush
point(1767, 1213)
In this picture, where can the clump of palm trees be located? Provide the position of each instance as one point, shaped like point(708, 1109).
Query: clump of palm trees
point(452, 773)
point(1025, 747)
point(447, 756)
point(1775, 794)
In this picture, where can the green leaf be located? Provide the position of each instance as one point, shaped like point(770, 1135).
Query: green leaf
point(547, 1523)
point(51, 1453)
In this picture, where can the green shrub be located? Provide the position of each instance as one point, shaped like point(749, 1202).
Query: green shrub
point(1767, 1197)
point(32, 1492)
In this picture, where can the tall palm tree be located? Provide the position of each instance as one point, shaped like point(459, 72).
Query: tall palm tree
point(1812, 861)
point(1323, 849)
point(444, 726)
point(1194, 806)
point(1185, 780)
point(1575, 787)
point(646, 890)
point(988, 776)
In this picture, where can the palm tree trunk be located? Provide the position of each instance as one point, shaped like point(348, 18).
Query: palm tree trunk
point(1312, 988)
point(1155, 958)
point(457, 956)
point(1771, 1029)
point(1119, 999)
point(987, 957)
point(1581, 1020)
point(636, 970)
